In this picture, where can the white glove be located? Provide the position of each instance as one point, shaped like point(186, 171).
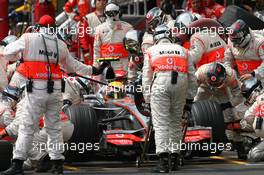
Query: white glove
point(66, 105)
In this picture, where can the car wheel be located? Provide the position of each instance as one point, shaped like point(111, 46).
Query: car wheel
point(85, 133)
point(209, 114)
point(6, 153)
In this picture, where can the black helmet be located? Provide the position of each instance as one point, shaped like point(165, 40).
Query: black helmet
point(251, 89)
point(154, 17)
point(240, 35)
point(162, 31)
point(216, 75)
point(132, 41)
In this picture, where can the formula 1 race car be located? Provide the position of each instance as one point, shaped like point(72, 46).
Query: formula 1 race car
point(112, 124)
point(116, 123)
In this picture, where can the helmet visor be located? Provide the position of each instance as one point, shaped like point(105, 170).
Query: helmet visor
point(154, 23)
point(113, 13)
point(132, 45)
point(237, 39)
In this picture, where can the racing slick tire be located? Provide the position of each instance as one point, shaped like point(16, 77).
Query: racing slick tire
point(6, 150)
point(209, 114)
point(85, 134)
point(233, 13)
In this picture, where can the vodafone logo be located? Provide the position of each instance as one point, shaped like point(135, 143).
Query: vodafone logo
point(170, 60)
point(217, 55)
point(47, 67)
point(120, 135)
point(260, 110)
point(261, 107)
point(213, 78)
point(245, 66)
point(136, 59)
point(111, 49)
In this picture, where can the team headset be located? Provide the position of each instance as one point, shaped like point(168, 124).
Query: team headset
point(119, 11)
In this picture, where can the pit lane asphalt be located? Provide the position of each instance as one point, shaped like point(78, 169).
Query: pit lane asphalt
point(225, 164)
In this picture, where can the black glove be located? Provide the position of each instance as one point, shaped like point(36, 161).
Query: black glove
point(66, 105)
point(226, 105)
point(188, 105)
point(98, 71)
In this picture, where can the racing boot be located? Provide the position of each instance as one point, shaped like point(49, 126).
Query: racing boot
point(241, 152)
point(175, 161)
point(44, 164)
point(163, 166)
point(29, 165)
point(15, 169)
point(57, 167)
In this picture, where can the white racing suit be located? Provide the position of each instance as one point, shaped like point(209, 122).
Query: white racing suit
point(108, 43)
point(249, 123)
point(167, 100)
point(147, 40)
point(39, 102)
point(229, 92)
point(11, 122)
point(73, 92)
point(39, 149)
point(7, 115)
point(11, 69)
point(206, 47)
point(249, 59)
point(3, 75)
point(16, 80)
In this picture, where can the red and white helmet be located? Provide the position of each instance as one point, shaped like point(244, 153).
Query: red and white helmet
point(154, 18)
point(240, 34)
point(216, 75)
